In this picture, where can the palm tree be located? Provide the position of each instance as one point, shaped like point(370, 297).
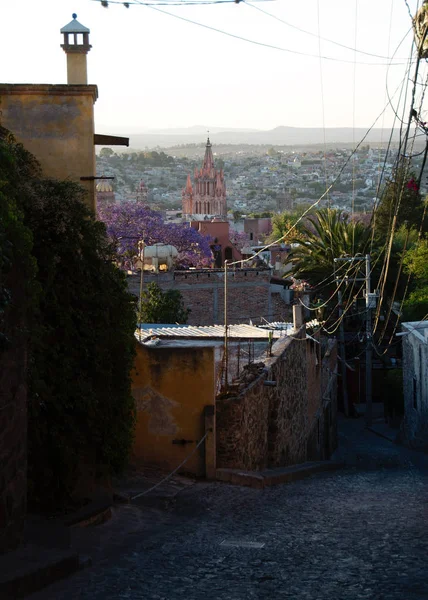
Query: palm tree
point(326, 235)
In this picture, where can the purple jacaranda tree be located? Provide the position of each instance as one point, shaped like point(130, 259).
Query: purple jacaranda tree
point(239, 239)
point(129, 223)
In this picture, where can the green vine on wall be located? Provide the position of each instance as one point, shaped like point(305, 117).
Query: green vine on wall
point(81, 336)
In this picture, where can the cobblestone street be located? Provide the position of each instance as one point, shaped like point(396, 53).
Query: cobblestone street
point(359, 532)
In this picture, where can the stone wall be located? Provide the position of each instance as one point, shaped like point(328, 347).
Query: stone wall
point(288, 418)
point(242, 433)
point(249, 294)
point(287, 423)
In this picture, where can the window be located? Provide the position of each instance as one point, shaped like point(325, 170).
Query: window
point(251, 235)
point(415, 393)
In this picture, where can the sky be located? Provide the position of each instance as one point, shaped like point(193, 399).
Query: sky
point(155, 71)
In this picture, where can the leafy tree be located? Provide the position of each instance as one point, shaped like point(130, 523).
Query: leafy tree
point(160, 306)
point(282, 223)
point(17, 265)
point(325, 235)
point(239, 239)
point(402, 189)
point(106, 152)
point(263, 215)
point(81, 340)
point(416, 263)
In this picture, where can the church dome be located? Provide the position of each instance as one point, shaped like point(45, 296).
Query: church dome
point(104, 185)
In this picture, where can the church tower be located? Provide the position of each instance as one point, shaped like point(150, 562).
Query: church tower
point(104, 192)
point(206, 198)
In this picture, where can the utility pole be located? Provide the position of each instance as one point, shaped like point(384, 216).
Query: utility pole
point(370, 299)
point(368, 345)
point(343, 356)
point(226, 357)
point(141, 246)
point(341, 328)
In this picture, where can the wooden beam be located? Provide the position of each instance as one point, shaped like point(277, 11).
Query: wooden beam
point(110, 140)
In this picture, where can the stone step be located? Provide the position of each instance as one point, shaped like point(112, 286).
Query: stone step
point(32, 568)
point(268, 477)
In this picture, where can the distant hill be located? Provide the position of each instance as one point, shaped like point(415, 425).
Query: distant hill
point(280, 136)
point(198, 130)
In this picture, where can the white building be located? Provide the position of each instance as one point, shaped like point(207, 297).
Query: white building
point(415, 382)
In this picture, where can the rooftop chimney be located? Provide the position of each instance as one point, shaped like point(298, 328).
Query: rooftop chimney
point(76, 46)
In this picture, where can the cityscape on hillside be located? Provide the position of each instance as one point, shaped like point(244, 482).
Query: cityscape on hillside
point(260, 179)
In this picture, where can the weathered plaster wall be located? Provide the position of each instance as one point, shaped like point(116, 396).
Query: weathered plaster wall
point(415, 383)
point(171, 386)
point(56, 124)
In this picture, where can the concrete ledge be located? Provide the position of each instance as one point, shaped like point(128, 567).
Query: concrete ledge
point(31, 569)
point(96, 512)
point(268, 477)
point(237, 477)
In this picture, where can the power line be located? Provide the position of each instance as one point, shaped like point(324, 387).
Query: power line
point(239, 37)
point(344, 280)
point(105, 3)
point(345, 164)
point(322, 96)
point(404, 175)
point(317, 35)
point(353, 124)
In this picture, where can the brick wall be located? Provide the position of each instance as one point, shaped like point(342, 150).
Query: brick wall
point(249, 294)
point(289, 423)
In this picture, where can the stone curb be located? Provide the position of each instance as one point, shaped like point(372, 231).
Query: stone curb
point(31, 580)
point(269, 477)
point(385, 436)
point(96, 512)
point(29, 570)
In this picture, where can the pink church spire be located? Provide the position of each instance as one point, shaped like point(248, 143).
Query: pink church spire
point(205, 199)
point(208, 163)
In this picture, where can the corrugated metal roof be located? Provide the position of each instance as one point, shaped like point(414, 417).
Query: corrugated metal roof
point(207, 331)
point(282, 325)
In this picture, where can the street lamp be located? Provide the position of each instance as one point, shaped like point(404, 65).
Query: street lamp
point(141, 246)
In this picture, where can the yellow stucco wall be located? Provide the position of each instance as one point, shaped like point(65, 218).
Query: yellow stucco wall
point(171, 387)
point(56, 124)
